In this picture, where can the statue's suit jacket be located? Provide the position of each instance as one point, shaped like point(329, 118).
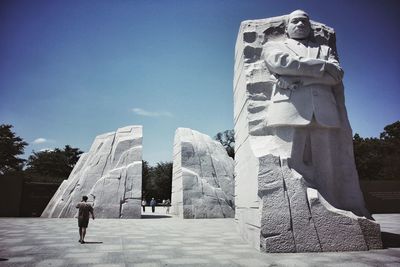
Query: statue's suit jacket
point(296, 107)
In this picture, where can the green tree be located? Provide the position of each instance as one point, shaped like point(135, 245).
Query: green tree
point(146, 186)
point(157, 180)
point(227, 139)
point(379, 158)
point(72, 155)
point(367, 154)
point(11, 146)
point(390, 139)
point(162, 174)
point(52, 165)
point(391, 132)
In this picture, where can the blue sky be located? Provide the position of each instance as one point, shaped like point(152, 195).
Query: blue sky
point(71, 70)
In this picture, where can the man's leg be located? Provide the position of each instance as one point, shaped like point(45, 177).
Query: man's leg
point(80, 234)
point(83, 234)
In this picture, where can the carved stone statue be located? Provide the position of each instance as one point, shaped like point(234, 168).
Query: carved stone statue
point(202, 181)
point(110, 174)
point(305, 72)
point(303, 97)
point(296, 181)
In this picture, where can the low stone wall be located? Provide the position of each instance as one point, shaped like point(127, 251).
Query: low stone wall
point(382, 196)
point(23, 199)
point(35, 197)
point(10, 195)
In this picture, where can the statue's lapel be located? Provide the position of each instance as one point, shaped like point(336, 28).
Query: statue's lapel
point(313, 50)
point(292, 45)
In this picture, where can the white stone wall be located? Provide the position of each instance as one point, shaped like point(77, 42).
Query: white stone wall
point(202, 182)
point(110, 174)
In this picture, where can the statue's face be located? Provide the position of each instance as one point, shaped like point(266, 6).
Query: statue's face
point(299, 26)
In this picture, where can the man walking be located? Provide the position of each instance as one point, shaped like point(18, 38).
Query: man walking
point(83, 217)
point(167, 204)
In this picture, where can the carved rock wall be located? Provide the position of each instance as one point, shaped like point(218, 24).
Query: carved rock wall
point(110, 174)
point(203, 181)
point(276, 209)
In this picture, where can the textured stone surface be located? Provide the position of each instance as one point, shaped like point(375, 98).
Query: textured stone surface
point(372, 233)
point(202, 182)
point(110, 174)
point(338, 230)
point(292, 136)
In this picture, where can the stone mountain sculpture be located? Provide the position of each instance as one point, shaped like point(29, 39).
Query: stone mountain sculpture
point(110, 174)
point(297, 186)
point(202, 181)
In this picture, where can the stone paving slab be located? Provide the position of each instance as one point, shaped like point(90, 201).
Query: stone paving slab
point(164, 241)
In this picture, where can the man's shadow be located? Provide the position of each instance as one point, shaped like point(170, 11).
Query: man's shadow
point(155, 216)
point(93, 242)
point(390, 240)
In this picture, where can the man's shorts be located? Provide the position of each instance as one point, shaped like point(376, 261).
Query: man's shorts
point(83, 222)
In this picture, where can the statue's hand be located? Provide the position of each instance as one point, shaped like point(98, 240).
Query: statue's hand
point(334, 71)
point(289, 83)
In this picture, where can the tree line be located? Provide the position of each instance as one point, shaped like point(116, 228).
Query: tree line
point(51, 166)
point(376, 159)
point(379, 158)
point(157, 181)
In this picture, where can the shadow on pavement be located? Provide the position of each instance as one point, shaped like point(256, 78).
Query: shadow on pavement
point(155, 216)
point(390, 240)
point(2, 259)
point(93, 242)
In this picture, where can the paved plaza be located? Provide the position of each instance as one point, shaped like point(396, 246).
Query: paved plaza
point(160, 240)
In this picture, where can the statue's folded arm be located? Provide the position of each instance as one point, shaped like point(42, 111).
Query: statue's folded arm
point(280, 62)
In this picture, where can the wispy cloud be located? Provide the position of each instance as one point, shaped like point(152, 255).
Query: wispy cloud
point(146, 113)
point(42, 140)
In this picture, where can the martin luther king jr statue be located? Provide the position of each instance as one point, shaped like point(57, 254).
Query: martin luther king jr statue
point(303, 98)
point(296, 183)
